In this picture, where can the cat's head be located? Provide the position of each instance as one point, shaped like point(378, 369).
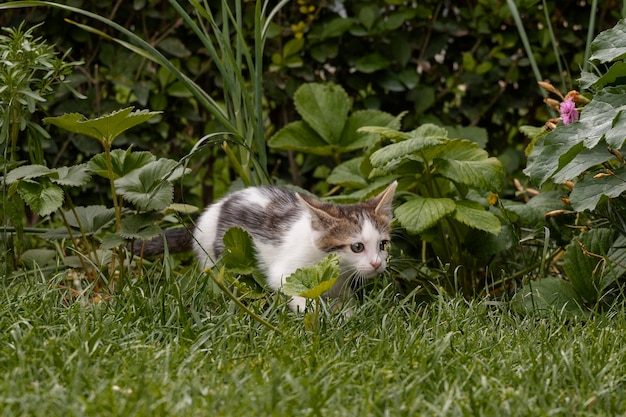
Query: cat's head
point(359, 234)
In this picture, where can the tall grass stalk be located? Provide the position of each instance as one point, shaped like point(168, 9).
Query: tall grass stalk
point(524, 37)
point(239, 64)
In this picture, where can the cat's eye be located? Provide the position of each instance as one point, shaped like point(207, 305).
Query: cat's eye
point(357, 247)
point(384, 244)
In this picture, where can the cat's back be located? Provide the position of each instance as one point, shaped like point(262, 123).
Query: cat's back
point(265, 212)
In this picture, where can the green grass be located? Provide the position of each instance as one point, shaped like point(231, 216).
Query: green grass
point(168, 347)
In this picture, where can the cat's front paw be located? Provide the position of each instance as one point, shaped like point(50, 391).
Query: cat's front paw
point(297, 304)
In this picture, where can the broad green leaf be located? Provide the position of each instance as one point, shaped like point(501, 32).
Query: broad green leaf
point(420, 214)
point(325, 108)
point(464, 162)
point(533, 212)
point(43, 197)
point(386, 159)
point(298, 136)
point(123, 162)
point(590, 191)
point(73, 176)
point(150, 187)
point(615, 75)
point(239, 254)
point(601, 119)
point(37, 258)
point(90, 219)
point(472, 214)
point(348, 174)
point(351, 139)
point(581, 162)
point(475, 134)
point(105, 128)
point(548, 295)
point(335, 27)
point(139, 226)
point(313, 281)
point(371, 63)
point(588, 270)
point(609, 45)
point(27, 172)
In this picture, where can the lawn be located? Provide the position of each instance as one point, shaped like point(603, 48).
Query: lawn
point(168, 346)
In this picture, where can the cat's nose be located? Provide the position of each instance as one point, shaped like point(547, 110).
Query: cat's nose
point(376, 264)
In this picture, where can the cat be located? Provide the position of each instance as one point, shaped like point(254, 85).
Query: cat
point(291, 230)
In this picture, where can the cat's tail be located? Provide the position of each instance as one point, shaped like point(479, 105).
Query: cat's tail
point(177, 240)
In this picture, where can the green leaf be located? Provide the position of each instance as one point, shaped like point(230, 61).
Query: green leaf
point(609, 45)
point(27, 172)
point(325, 108)
point(239, 254)
point(601, 119)
point(73, 176)
point(419, 214)
point(43, 197)
point(37, 258)
point(123, 162)
point(548, 295)
point(387, 159)
point(464, 162)
point(150, 187)
point(590, 191)
point(313, 281)
point(352, 139)
point(105, 128)
point(472, 214)
point(588, 270)
point(139, 227)
point(90, 219)
point(371, 63)
point(348, 174)
point(298, 136)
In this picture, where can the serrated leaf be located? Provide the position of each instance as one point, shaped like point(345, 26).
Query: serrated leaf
point(601, 119)
point(27, 172)
point(419, 214)
point(351, 139)
point(348, 174)
point(139, 227)
point(37, 258)
point(123, 162)
point(150, 187)
point(90, 219)
point(313, 281)
point(609, 45)
point(324, 107)
point(43, 197)
point(299, 136)
point(546, 296)
point(239, 253)
point(387, 159)
point(465, 163)
point(472, 214)
point(105, 128)
point(588, 270)
point(73, 176)
point(590, 191)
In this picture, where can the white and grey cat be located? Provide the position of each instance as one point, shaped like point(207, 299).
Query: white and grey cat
point(292, 230)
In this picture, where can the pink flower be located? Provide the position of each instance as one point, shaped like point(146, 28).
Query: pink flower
point(568, 111)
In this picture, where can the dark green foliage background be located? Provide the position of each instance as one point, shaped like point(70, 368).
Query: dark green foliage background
point(452, 63)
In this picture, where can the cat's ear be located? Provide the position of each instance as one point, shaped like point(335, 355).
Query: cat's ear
point(383, 202)
point(321, 210)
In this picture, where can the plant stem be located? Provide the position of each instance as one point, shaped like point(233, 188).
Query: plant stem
point(219, 281)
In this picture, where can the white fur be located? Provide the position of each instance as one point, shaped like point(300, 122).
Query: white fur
point(204, 235)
